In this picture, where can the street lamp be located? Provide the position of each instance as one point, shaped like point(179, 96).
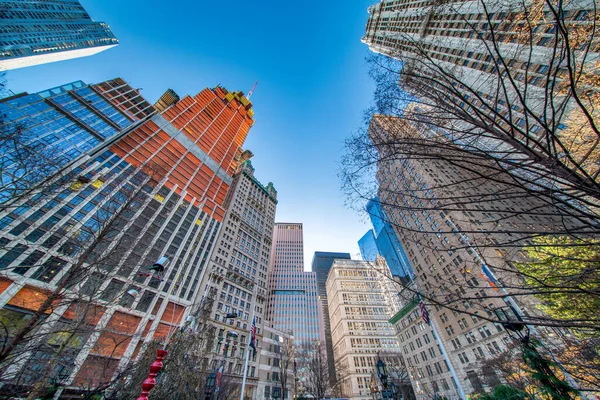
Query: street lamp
point(512, 322)
point(510, 319)
point(383, 378)
point(382, 372)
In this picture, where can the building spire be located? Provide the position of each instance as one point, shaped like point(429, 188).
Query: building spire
point(252, 90)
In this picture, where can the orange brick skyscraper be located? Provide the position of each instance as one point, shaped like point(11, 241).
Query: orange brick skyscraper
point(197, 140)
point(188, 152)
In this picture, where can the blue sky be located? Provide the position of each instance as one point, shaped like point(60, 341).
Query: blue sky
point(313, 86)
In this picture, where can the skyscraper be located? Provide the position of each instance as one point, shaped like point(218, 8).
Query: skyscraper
point(68, 120)
point(321, 265)
point(155, 189)
point(383, 241)
point(460, 255)
point(236, 282)
point(469, 65)
point(368, 247)
point(35, 32)
point(361, 301)
point(292, 293)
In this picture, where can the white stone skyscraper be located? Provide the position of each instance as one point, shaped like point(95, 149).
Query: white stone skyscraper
point(361, 300)
point(237, 282)
point(292, 292)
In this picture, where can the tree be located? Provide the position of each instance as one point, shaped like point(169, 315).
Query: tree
point(570, 264)
point(530, 70)
point(313, 368)
point(27, 165)
point(64, 317)
point(506, 103)
point(483, 140)
point(286, 359)
point(185, 368)
point(398, 374)
point(505, 392)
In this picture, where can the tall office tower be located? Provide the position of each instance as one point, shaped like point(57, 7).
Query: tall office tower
point(51, 128)
point(156, 189)
point(68, 120)
point(361, 301)
point(292, 303)
point(35, 32)
point(238, 269)
point(490, 80)
point(462, 252)
point(383, 241)
point(321, 264)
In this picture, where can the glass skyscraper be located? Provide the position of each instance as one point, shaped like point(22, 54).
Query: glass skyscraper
point(383, 241)
point(368, 246)
point(293, 303)
point(37, 32)
point(64, 122)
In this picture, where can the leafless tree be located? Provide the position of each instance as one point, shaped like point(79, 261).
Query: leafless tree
point(185, 369)
point(398, 374)
point(27, 165)
point(286, 358)
point(312, 368)
point(37, 350)
point(528, 81)
point(507, 123)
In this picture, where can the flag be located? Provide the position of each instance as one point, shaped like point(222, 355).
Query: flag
point(489, 277)
point(219, 377)
point(253, 336)
point(424, 313)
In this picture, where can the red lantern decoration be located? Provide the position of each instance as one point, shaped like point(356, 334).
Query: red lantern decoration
point(150, 381)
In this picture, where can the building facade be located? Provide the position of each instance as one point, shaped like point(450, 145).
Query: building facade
point(238, 269)
point(293, 304)
point(66, 121)
point(383, 241)
point(155, 189)
point(449, 65)
point(426, 364)
point(274, 357)
point(321, 264)
point(361, 301)
point(462, 254)
point(35, 33)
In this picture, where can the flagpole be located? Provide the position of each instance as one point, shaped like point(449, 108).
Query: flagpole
point(461, 393)
point(431, 322)
point(252, 321)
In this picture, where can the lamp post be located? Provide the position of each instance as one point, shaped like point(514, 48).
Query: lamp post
point(512, 322)
point(381, 369)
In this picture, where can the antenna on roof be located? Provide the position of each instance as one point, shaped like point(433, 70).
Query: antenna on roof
point(252, 90)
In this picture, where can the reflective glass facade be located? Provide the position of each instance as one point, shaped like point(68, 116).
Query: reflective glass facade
point(33, 28)
point(386, 241)
point(67, 121)
point(60, 124)
point(293, 302)
point(368, 246)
